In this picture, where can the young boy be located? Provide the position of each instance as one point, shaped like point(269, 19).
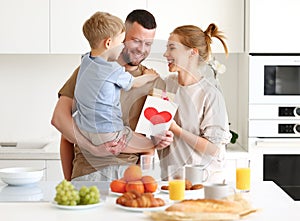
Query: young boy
point(97, 92)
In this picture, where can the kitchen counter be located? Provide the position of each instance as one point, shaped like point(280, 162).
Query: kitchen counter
point(49, 151)
point(272, 202)
point(235, 151)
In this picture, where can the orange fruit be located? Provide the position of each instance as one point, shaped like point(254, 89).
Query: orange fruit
point(118, 186)
point(136, 185)
point(150, 184)
point(132, 173)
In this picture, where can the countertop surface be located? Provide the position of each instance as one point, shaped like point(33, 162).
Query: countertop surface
point(51, 152)
point(37, 150)
point(273, 204)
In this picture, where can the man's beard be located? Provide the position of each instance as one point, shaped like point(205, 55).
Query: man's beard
point(129, 61)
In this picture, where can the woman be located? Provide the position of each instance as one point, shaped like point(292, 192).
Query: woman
point(200, 127)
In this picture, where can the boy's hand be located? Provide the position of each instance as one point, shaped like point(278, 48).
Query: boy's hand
point(117, 146)
point(150, 71)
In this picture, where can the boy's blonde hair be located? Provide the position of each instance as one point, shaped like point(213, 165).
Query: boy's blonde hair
point(100, 26)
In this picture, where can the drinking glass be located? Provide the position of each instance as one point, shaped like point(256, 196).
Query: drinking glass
point(243, 175)
point(176, 177)
point(147, 164)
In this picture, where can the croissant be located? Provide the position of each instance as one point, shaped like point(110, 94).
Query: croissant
point(128, 196)
point(145, 200)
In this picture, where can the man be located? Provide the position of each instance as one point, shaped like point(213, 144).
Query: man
point(98, 163)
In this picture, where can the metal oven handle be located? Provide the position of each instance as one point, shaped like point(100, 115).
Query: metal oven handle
point(277, 143)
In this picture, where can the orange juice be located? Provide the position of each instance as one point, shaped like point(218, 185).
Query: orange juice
point(243, 178)
point(176, 189)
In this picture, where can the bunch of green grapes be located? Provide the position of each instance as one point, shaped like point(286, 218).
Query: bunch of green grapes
point(66, 194)
point(89, 195)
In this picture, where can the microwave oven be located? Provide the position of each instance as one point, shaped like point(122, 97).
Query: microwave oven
point(274, 79)
point(274, 96)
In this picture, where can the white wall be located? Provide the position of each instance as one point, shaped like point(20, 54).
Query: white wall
point(29, 86)
point(28, 94)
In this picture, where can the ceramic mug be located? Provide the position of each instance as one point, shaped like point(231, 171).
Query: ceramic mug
point(196, 173)
point(217, 191)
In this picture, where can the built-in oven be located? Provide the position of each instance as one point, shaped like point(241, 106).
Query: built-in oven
point(274, 119)
point(284, 170)
point(278, 160)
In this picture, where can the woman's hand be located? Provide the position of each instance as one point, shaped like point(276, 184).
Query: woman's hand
point(164, 140)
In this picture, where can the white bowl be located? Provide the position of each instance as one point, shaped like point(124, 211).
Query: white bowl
point(21, 175)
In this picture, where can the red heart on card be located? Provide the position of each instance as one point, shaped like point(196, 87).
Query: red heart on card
point(156, 117)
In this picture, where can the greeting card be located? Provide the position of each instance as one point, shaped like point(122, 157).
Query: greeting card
point(156, 115)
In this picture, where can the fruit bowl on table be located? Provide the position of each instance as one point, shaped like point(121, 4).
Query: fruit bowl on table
point(114, 193)
point(133, 180)
point(120, 194)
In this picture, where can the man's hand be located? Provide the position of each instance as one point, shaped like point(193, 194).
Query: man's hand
point(162, 141)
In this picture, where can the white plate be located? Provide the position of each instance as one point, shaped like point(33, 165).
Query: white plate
point(78, 207)
point(190, 194)
point(115, 193)
point(147, 209)
point(186, 191)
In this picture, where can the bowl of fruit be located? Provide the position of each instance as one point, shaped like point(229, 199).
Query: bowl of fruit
point(133, 180)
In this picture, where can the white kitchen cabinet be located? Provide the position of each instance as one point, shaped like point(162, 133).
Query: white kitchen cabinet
point(230, 170)
point(227, 15)
point(68, 17)
point(55, 27)
point(54, 170)
point(24, 26)
point(273, 26)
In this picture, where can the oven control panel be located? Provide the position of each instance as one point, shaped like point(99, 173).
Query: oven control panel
point(288, 128)
point(288, 111)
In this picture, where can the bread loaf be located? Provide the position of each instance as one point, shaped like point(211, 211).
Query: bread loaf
point(207, 206)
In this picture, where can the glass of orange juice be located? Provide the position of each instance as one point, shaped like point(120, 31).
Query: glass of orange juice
point(176, 177)
point(243, 175)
